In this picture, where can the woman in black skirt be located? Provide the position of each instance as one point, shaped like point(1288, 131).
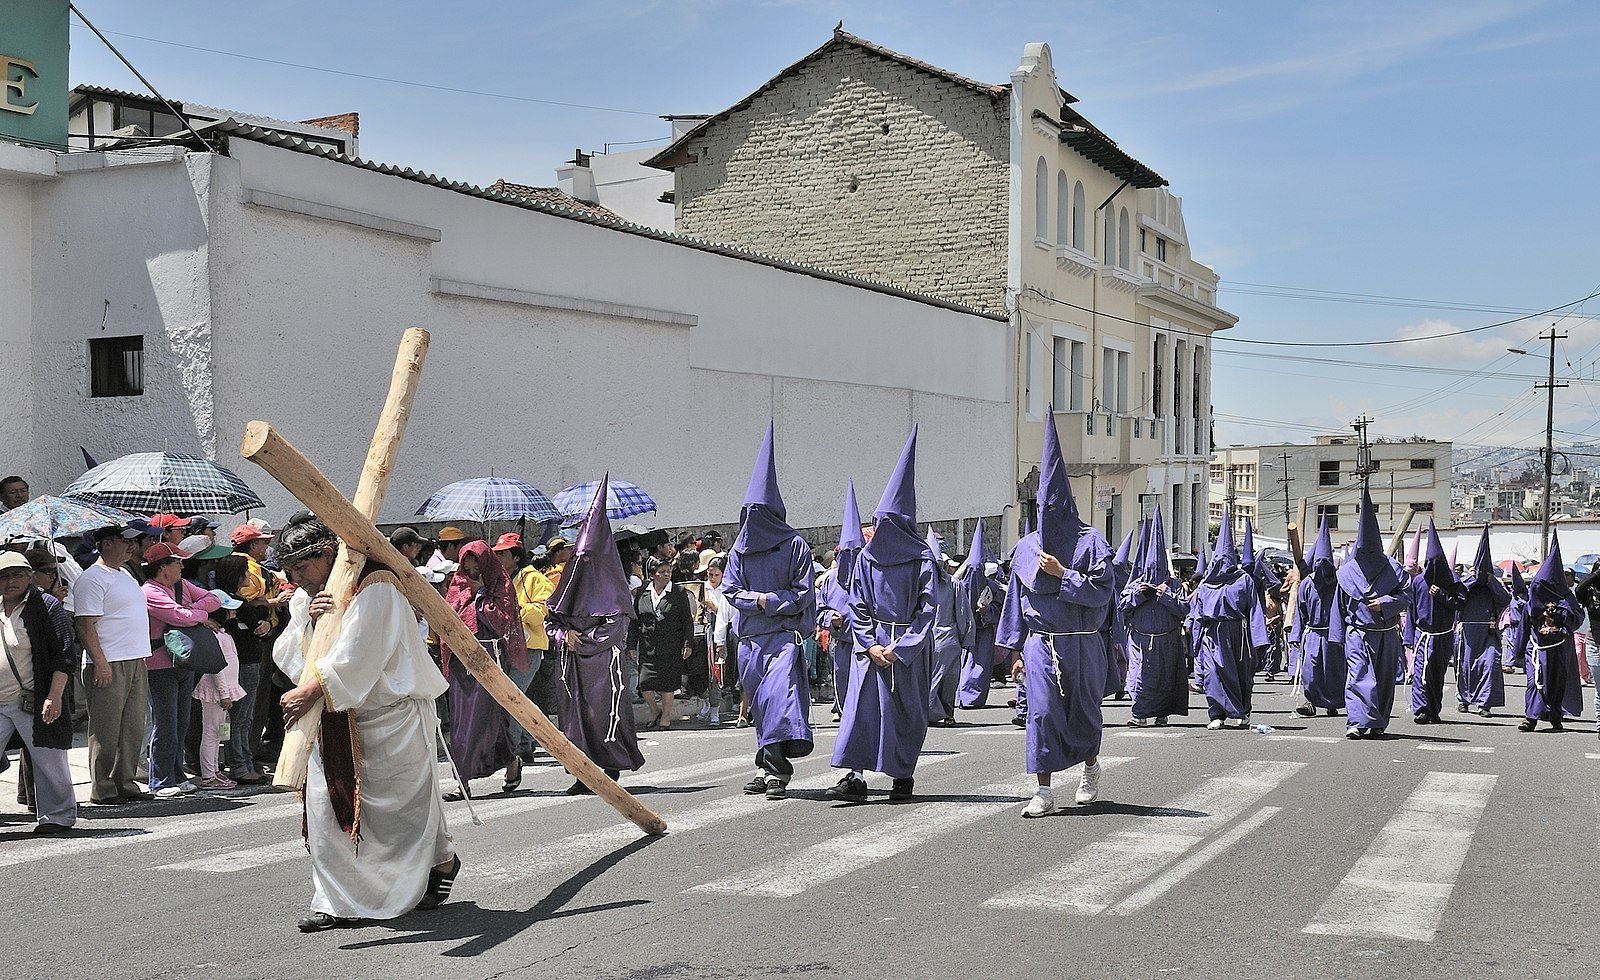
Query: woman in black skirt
point(663, 629)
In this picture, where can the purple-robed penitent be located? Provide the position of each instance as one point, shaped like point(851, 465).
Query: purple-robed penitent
point(1479, 681)
point(892, 603)
point(769, 561)
point(1322, 669)
point(1554, 688)
point(1430, 630)
point(1371, 637)
point(952, 630)
point(1225, 611)
point(975, 591)
point(593, 601)
point(1516, 627)
point(1060, 624)
point(1153, 610)
point(833, 595)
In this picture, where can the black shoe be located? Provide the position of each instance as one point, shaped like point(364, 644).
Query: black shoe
point(1021, 721)
point(1422, 719)
point(1333, 712)
point(322, 921)
point(775, 788)
point(439, 883)
point(1557, 726)
point(578, 789)
point(1483, 712)
point(756, 786)
point(901, 790)
point(1462, 707)
point(849, 788)
point(1306, 711)
point(1526, 725)
point(48, 829)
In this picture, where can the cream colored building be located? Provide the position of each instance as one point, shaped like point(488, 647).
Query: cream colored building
point(1000, 197)
point(1410, 476)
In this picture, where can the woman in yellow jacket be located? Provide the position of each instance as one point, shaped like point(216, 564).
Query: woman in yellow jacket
point(533, 590)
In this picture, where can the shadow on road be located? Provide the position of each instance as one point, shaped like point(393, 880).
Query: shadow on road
point(1106, 808)
point(479, 930)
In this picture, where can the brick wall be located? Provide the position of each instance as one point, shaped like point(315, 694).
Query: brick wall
point(866, 166)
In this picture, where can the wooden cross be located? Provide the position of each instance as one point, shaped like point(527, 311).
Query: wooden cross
point(360, 540)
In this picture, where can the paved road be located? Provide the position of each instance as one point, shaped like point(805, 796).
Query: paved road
point(1461, 850)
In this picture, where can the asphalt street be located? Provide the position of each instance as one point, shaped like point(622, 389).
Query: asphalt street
point(1466, 849)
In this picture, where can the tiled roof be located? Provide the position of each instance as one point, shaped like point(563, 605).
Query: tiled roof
point(233, 129)
point(551, 195)
point(349, 122)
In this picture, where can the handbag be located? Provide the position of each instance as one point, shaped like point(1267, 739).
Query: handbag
point(194, 647)
point(29, 701)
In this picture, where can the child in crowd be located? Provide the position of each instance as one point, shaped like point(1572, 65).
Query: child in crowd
point(216, 694)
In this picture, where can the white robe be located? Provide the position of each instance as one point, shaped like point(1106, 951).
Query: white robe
point(379, 668)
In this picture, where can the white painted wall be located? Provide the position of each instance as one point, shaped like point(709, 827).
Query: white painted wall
point(294, 319)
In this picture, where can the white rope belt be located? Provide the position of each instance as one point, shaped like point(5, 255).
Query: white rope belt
point(892, 639)
point(1374, 629)
point(1055, 658)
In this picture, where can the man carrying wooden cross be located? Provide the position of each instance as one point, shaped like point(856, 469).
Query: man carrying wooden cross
point(377, 687)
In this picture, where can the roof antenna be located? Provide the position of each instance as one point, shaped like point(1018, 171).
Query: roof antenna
point(123, 58)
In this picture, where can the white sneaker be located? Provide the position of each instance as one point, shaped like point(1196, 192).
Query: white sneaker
point(704, 712)
point(169, 792)
point(1234, 722)
point(716, 718)
point(188, 786)
point(1089, 785)
point(1043, 802)
point(1215, 726)
point(1138, 722)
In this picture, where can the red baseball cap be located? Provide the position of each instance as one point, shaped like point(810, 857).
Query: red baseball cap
point(167, 521)
point(508, 540)
point(246, 533)
point(160, 552)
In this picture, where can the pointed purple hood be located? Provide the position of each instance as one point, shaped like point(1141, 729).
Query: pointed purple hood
point(594, 582)
point(1224, 564)
point(894, 537)
point(1519, 588)
point(973, 579)
point(1058, 512)
point(1155, 564)
point(1483, 575)
point(1435, 570)
point(935, 545)
point(1247, 552)
point(1549, 583)
point(1322, 556)
point(763, 520)
point(1369, 573)
point(851, 540)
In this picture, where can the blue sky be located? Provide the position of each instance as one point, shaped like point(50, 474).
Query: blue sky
point(1434, 151)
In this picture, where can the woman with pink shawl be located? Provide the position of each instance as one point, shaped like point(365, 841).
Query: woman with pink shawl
point(480, 730)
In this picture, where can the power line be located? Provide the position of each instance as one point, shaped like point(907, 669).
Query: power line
point(384, 78)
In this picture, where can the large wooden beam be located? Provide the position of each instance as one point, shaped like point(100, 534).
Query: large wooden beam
point(297, 741)
point(1396, 542)
point(297, 474)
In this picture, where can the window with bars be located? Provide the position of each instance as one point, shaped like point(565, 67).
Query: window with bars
point(116, 367)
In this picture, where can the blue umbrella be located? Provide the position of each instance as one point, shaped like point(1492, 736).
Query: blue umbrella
point(489, 498)
point(164, 483)
point(623, 501)
point(49, 518)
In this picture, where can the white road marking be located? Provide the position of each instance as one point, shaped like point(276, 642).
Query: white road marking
point(1591, 755)
point(1139, 733)
point(1400, 886)
point(1432, 747)
point(1319, 739)
point(875, 842)
point(1175, 875)
point(173, 826)
point(1094, 877)
point(260, 855)
point(580, 849)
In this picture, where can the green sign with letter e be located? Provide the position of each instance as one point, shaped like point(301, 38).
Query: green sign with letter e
point(33, 71)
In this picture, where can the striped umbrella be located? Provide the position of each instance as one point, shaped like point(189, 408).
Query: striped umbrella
point(49, 518)
point(489, 498)
point(624, 500)
point(164, 483)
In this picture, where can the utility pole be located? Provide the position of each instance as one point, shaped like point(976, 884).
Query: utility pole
point(1232, 493)
point(1364, 464)
point(1550, 387)
point(1284, 481)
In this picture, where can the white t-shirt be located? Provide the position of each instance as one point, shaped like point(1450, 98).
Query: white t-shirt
point(14, 635)
point(124, 622)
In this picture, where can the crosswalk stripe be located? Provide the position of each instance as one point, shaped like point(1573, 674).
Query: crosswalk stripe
point(582, 848)
point(174, 827)
point(261, 855)
point(1094, 877)
point(1136, 733)
point(1591, 755)
point(1434, 747)
point(1318, 739)
point(1400, 886)
point(848, 853)
point(1175, 875)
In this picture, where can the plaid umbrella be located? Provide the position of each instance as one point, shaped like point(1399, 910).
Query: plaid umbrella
point(164, 483)
point(624, 500)
point(489, 498)
point(49, 518)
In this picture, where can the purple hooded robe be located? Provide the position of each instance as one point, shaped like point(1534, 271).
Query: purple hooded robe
point(1516, 631)
point(1153, 610)
point(1321, 669)
point(952, 630)
point(1479, 681)
point(593, 601)
point(1230, 628)
point(1554, 688)
point(1061, 625)
point(833, 596)
point(975, 591)
point(1371, 637)
point(769, 562)
point(885, 718)
point(1430, 630)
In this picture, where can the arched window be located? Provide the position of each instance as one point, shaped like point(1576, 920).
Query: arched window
point(1079, 216)
point(1041, 200)
point(1063, 209)
point(1123, 239)
point(1110, 255)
